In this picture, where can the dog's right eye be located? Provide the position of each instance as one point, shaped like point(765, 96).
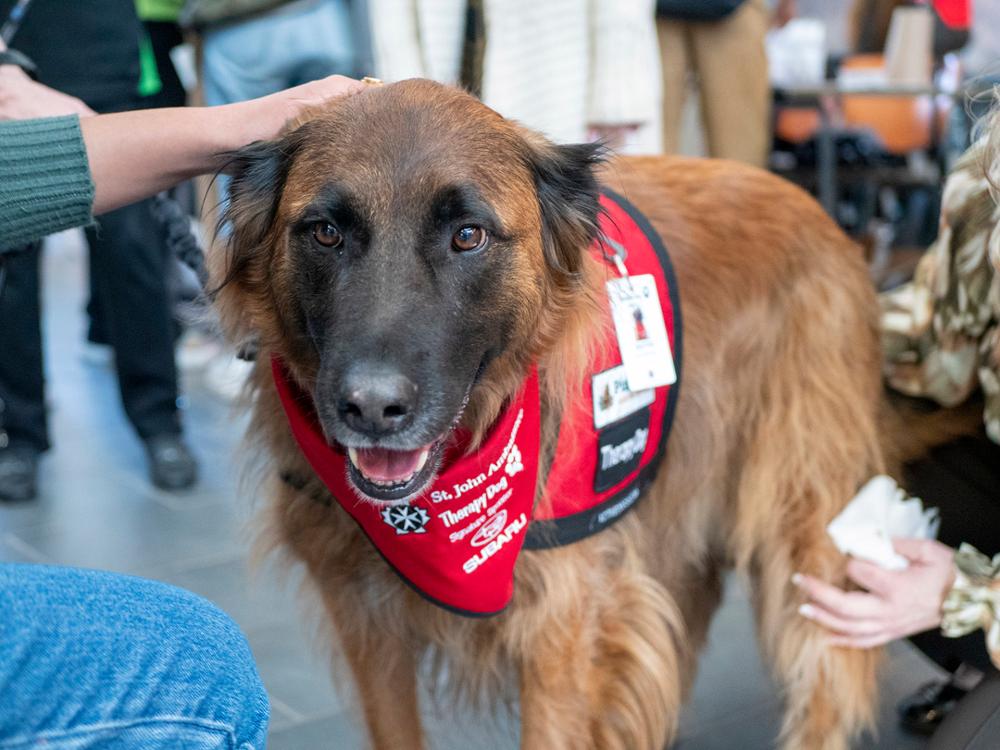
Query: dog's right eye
point(469, 238)
point(326, 234)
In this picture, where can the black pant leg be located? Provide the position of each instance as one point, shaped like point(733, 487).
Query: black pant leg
point(962, 479)
point(128, 262)
point(22, 383)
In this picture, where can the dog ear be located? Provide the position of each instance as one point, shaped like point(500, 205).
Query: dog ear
point(258, 174)
point(568, 192)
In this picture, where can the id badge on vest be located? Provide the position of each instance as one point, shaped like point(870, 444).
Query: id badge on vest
point(641, 332)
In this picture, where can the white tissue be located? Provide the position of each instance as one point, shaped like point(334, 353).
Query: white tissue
point(879, 512)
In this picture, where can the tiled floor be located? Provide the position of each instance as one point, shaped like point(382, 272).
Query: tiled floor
point(97, 509)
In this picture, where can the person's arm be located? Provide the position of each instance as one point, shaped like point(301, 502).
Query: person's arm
point(45, 183)
point(136, 154)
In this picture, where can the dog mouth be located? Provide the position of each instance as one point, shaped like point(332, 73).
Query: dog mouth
point(388, 475)
point(394, 475)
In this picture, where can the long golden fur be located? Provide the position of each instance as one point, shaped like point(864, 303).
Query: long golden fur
point(776, 428)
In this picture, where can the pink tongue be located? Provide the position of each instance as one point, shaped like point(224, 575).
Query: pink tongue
point(385, 465)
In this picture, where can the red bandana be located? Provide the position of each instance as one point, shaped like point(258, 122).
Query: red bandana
point(458, 542)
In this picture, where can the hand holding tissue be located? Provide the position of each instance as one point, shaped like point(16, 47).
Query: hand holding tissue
point(877, 514)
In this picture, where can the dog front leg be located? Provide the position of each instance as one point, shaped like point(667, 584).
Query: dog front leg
point(605, 678)
point(385, 678)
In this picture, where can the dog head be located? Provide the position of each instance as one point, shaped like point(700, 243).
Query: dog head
point(409, 253)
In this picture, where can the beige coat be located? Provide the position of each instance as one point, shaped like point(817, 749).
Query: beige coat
point(559, 66)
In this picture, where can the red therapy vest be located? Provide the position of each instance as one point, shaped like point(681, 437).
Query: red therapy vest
point(458, 542)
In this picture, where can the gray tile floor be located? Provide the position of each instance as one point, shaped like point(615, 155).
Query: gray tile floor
point(96, 509)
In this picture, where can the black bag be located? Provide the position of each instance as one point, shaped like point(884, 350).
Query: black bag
point(696, 10)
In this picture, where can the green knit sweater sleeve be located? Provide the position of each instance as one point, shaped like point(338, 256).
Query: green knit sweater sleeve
point(45, 183)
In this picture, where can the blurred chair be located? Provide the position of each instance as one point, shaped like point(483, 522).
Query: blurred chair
point(902, 124)
point(889, 160)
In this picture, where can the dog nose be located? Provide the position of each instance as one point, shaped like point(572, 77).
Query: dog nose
point(376, 400)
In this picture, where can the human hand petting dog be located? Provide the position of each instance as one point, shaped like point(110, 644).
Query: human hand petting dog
point(264, 118)
point(136, 154)
point(894, 603)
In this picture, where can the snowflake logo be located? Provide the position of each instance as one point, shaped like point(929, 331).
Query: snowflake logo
point(406, 519)
point(514, 464)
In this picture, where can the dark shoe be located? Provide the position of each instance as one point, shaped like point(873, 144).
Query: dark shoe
point(923, 712)
point(171, 465)
point(18, 473)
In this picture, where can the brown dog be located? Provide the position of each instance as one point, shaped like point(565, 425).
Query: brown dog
point(410, 226)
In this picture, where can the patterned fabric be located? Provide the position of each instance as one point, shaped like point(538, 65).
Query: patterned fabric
point(940, 333)
point(974, 600)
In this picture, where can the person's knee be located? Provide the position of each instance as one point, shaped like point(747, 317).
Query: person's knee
point(212, 654)
point(111, 648)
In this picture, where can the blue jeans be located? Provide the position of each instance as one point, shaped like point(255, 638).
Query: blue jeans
point(97, 661)
point(295, 43)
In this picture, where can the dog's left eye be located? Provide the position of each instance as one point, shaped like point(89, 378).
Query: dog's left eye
point(469, 238)
point(326, 234)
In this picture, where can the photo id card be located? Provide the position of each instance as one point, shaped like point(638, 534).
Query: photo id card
point(641, 332)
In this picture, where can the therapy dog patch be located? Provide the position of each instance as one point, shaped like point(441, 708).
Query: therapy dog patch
point(457, 543)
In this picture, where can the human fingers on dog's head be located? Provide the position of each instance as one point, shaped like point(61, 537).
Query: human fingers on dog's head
point(268, 116)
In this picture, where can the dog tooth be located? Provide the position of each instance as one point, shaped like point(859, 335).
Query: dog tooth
point(353, 455)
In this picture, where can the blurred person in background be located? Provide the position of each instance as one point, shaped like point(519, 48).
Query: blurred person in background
point(721, 44)
point(251, 48)
point(179, 208)
point(575, 70)
point(872, 19)
point(92, 51)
